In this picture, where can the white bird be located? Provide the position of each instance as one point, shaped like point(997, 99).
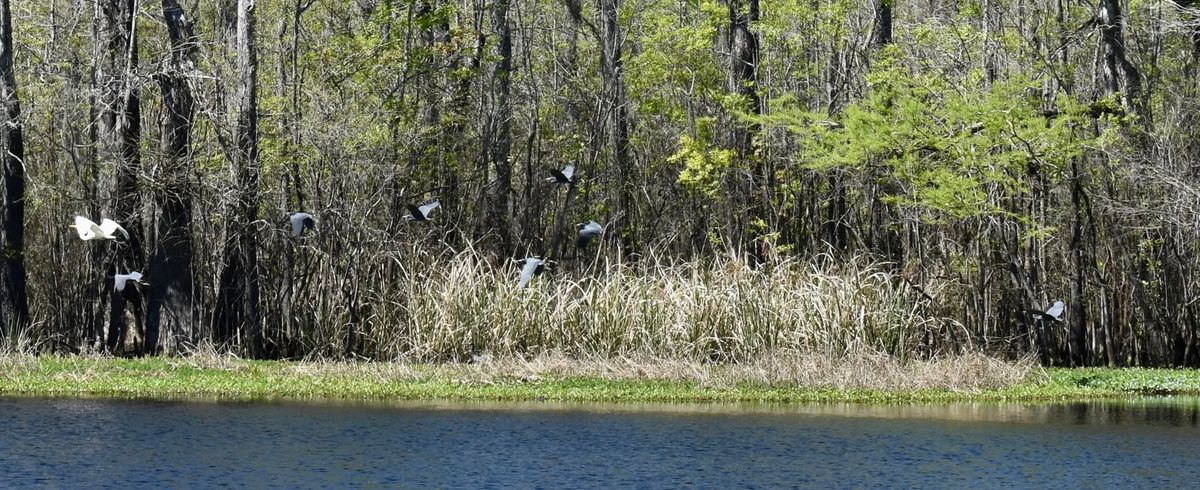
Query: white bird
point(533, 266)
point(89, 230)
point(566, 176)
point(300, 221)
point(421, 213)
point(119, 280)
point(588, 231)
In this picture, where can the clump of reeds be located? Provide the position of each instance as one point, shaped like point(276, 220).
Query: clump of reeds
point(462, 306)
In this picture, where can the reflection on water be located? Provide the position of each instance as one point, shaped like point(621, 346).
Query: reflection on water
point(107, 443)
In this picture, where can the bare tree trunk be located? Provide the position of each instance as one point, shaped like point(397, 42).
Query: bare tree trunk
point(743, 80)
point(14, 311)
point(458, 106)
point(1077, 332)
point(499, 211)
point(170, 272)
point(1116, 64)
point(881, 35)
point(883, 237)
point(613, 72)
point(128, 132)
point(237, 304)
point(296, 113)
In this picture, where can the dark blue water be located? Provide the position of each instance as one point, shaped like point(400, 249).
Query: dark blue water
point(104, 443)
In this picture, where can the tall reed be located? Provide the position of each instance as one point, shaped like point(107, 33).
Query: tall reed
point(455, 307)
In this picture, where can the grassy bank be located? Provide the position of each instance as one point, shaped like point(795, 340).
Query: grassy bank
point(972, 378)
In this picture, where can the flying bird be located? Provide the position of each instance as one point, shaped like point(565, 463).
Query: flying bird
point(1055, 312)
point(420, 213)
point(119, 280)
point(566, 176)
point(302, 221)
point(588, 231)
point(533, 266)
point(89, 230)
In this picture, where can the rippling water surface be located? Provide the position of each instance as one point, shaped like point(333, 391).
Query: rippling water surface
point(106, 443)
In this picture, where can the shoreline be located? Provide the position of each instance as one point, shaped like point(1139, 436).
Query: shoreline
point(224, 378)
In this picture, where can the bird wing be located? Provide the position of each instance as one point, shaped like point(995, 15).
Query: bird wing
point(426, 209)
point(593, 228)
point(568, 172)
point(1056, 311)
point(297, 220)
point(83, 227)
point(531, 267)
point(120, 280)
point(109, 226)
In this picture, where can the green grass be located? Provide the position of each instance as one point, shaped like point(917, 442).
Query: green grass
point(239, 379)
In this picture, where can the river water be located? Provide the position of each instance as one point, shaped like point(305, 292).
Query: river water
point(93, 443)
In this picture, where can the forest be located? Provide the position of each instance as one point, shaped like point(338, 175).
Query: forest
point(913, 178)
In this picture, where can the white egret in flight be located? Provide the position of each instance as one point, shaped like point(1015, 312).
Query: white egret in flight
point(119, 280)
point(89, 230)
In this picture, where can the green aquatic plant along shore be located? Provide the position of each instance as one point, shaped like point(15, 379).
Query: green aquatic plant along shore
point(558, 379)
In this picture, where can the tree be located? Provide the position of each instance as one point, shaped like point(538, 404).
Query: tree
point(1117, 67)
point(14, 312)
point(120, 17)
point(237, 303)
point(612, 71)
point(170, 271)
point(881, 33)
point(743, 80)
point(499, 212)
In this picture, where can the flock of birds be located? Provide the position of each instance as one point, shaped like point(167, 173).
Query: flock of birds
point(300, 221)
point(532, 266)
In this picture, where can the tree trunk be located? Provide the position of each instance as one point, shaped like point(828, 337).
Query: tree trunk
point(743, 80)
point(1116, 64)
point(884, 239)
point(881, 35)
point(126, 209)
point(170, 272)
point(499, 211)
point(237, 304)
point(14, 312)
point(612, 72)
point(1077, 331)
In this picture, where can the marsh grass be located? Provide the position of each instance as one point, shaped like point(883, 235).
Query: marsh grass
point(779, 370)
point(781, 377)
point(458, 307)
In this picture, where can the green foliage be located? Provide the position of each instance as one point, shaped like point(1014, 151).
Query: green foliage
point(677, 60)
point(703, 165)
point(948, 149)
